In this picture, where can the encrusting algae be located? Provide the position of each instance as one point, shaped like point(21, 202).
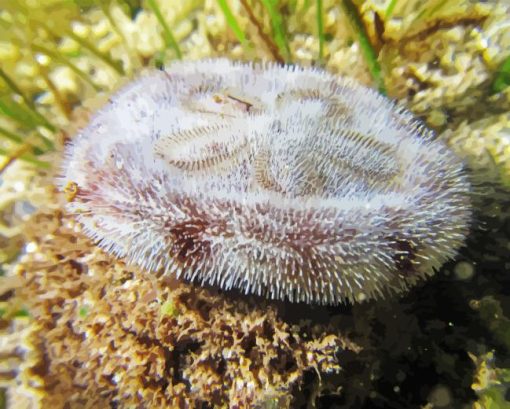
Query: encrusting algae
point(82, 329)
point(109, 334)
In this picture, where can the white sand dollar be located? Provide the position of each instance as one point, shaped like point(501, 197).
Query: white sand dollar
point(277, 180)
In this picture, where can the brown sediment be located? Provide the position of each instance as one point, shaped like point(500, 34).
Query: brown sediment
point(267, 40)
point(439, 24)
point(107, 333)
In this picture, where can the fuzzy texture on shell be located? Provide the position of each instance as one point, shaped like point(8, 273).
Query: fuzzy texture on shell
point(280, 181)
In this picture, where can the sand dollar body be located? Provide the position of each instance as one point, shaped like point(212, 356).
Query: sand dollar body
point(281, 181)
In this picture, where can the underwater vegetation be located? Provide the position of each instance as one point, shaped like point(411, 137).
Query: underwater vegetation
point(80, 328)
